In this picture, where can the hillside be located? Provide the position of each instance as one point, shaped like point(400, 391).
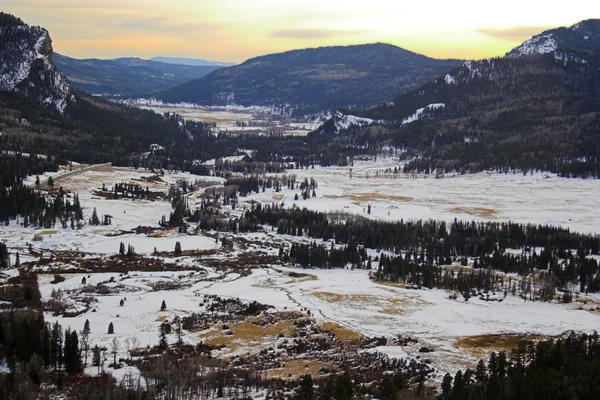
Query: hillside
point(27, 66)
point(41, 114)
point(315, 79)
point(539, 110)
point(583, 36)
point(191, 61)
point(126, 77)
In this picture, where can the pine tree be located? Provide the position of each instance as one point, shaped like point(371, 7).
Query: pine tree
point(96, 355)
point(307, 391)
point(72, 361)
point(162, 337)
point(95, 220)
point(111, 328)
point(163, 306)
point(447, 387)
point(178, 248)
point(50, 181)
point(86, 326)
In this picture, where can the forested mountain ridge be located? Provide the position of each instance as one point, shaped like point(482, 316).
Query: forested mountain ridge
point(27, 66)
point(583, 36)
point(126, 77)
point(314, 79)
point(41, 114)
point(535, 111)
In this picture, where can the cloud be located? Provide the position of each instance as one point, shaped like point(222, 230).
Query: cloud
point(309, 33)
point(518, 33)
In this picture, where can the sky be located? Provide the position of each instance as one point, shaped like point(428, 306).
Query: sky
point(235, 30)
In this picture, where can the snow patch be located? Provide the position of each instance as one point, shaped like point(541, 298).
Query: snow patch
point(542, 44)
point(27, 69)
point(343, 121)
point(419, 113)
point(450, 80)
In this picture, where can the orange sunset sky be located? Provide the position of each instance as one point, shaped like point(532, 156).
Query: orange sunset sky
point(235, 30)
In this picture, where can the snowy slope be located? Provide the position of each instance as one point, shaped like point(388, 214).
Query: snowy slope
point(583, 36)
point(541, 44)
point(26, 66)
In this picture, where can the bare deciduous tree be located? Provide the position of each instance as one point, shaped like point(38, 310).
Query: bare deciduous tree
point(114, 349)
point(132, 343)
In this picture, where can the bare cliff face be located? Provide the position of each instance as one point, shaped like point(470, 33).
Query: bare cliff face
point(26, 65)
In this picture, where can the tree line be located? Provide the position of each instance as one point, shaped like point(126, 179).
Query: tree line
point(563, 368)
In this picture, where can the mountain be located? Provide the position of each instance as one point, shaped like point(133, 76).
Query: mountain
point(41, 114)
point(314, 79)
point(27, 66)
point(582, 36)
point(536, 108)
point(191, 62)
point(126, 77)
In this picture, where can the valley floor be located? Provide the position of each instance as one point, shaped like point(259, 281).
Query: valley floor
point(346, 302)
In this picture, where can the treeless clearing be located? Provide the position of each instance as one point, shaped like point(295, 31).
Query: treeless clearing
point(478, 211)
point(340, 332)
point(308, 277)
point(293, 369)
point(359, 198)
point(386, 305)
point(246, 333)
point(482, 345)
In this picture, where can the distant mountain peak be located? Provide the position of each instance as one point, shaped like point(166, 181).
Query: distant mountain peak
point(197, 62)
point(583, 36)
point(27, 66)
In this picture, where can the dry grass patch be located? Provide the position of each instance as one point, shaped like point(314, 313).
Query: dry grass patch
point(246, 333)
point(390, 284)
point(404, 305)
point(340, 332)
point(329, 297)
point(47, 233)
point(359, 198)
point(387, 305)
point(482, 345)
point(293, 369)
point(299, 277)
point(162, 233)
point(277, 197)
point(478, 211)
point(161, 318)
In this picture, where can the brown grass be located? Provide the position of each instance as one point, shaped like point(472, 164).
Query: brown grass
point(478, 211)
point(293, 369)
point(161, 318)
point(481, 345)
point(246, 333)
point(359, 198)
point(340, 332)
point(391, 284)
point(329, 297)
point(387, 305)
point(47, 233)
point(162, 233)
point(305, 278)
point(277, 197)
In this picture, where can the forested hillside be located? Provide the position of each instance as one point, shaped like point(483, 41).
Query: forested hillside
point(537, 111)
point(126, 77)
point(312, 80)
